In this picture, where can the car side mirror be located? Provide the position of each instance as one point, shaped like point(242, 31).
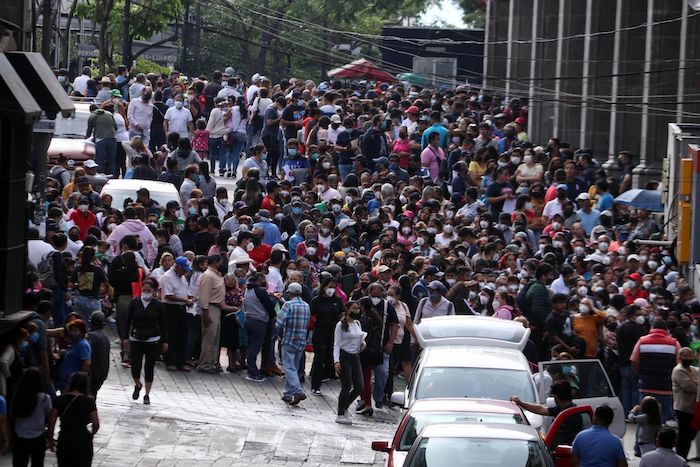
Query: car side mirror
point(560, 452)
point(398, 398)
point(380, 446)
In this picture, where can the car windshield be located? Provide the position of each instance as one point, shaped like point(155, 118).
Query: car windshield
point(419, 420)
point(74, 127)
point(482, 452)
point(491, 383)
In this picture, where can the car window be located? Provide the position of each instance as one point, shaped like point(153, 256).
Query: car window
point(587, 378)
point(484, 452)
point(492, 383)
point(419, 420)
point(73, 127)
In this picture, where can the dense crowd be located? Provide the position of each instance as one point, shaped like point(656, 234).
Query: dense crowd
point(358, 211)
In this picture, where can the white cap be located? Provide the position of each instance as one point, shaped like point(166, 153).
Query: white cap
point(255, 78)
point(583, 196)
point(335, 118)
point(294, 287)
point(89, 164)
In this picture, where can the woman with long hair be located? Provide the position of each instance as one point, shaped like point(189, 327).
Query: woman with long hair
point(348, 343)
point(401, 352)
point(237, 125)
point(328, 308)
point(30, 412)
point(252, 195)
point(86, 280)
point(76, 410)
point(184, 155)
point(206, 182)
point(145, 334)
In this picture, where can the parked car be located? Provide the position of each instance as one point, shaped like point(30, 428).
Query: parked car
point(430, 411)
point(491, 444)
point(121, 189)
point(471, 356)
point(69, 136)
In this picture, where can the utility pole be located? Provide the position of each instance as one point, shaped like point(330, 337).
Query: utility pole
point(126, 40)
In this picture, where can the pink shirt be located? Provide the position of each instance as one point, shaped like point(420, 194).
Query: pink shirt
point(431, 158)
point(402, 146)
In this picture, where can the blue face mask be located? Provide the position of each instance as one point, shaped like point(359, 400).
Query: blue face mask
point(292, 152)
point(34, 337)
point(242, 281)
point(192, 210)
point(394, 166)
point(23, 346)
point(296, 210)
point(300, 102)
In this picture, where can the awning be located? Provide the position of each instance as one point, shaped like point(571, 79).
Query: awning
point(38, 77)
point(15, 99)
point(362, 69)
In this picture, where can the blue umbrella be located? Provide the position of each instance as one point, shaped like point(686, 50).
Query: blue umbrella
point(642, 199)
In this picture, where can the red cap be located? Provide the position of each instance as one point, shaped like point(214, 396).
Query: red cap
point(413, 110)
point(636, 277)
point(520, 121)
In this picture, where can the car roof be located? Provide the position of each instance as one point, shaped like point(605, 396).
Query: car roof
point(467, 356)
point(136, 184)
point(480, 430)
point(471, 330)
point(465, 405)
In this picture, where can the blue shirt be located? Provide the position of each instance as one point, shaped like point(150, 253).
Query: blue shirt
point(588, 220)
point(605, 202)
point(294, 241)
point(271, 233)
point(3, 406)
point(437, 127)
point(597, 447)
point(72, 361)
point(293, 322)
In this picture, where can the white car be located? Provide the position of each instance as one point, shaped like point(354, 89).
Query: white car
point(121, 189)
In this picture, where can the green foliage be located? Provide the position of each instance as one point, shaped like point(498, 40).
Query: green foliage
point(474, 12)
point(148, 66)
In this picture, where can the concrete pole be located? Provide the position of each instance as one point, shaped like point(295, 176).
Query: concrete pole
point(610, 165)
point(533, 107)
point(585, 72)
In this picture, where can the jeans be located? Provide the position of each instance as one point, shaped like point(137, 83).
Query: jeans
point(344, 170)
point(85, 306)
point(351, 383)
point(686, 434)
point(58, 303)
point(176, 317)
point(234, 152)
point(629, 390)
point(139, 351)
point(252, 134)
point(381, 372)
point(256, 336)
point(25, 448)
point(291, 356)
point(217, 152)
point(106, 154)
point(666, 402)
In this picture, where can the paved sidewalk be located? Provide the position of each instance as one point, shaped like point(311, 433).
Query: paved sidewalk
point(202, 420)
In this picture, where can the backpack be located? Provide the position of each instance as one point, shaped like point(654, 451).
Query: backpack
point(47, 277)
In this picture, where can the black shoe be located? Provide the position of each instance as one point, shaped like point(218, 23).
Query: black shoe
point(146, 400)
point(360, 408)
point(137, 390)
point(366, 410)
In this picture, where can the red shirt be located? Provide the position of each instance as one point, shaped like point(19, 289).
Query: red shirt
point(83, 220)
point(268, 203)
point(630, 296)
point(260, 254)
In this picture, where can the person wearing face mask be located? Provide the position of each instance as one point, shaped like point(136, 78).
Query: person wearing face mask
point(140, 114)
point(628, 333)
point(684, 379)
point(145, 334)
point(78, 355)
point(83, 218)
point(435, 304)
point(178, 119)
point(348, 343)
point(634, 289)
point(587, 324)
point(327, 308)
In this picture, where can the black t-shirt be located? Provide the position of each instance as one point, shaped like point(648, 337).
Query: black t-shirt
point(555, 327)
point(74, 411)
point(88, 280)
point(270, 114)
point(159, 110)
point(495, 190)
point(291, 113)
point(202, 242)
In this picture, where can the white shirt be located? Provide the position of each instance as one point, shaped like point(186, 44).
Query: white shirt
point(121, 134)
point(250, 93)
point(329, 194)
point(178, 120)
point(140, 113)
point(349, 341)
point(552, 208)
point(186, 191)
point(222, 209)
point(135, 91)
point(333, 134)
point(274, 279)
point(37, 250)
point(172, 284)
point(559, 286)
point(227, 92)
point(80, 84)
point(216, 126)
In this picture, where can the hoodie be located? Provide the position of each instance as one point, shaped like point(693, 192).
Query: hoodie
point(139, 229)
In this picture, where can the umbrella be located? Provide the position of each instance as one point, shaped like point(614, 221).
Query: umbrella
point(642, 199)
point(412, 78)
point(362, 69)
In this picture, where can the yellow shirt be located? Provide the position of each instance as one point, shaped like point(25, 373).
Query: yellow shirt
point(586, 326)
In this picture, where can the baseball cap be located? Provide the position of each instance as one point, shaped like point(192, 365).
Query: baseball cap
point(239, 205)
point(382, 160)
point(294, 287)
point(116, 93)
point(279, 247)
point(413, 110)
point(583, 196)
point(83, 200)
point(82, 181)
point(437, 285)
point(432, 271)
point(562, 186)
point(90, 163)
point(636, 277)
point(345, 223)
point(633, 258)
point(383, 268)
point(97, 318)
point(335, 118)
point(184, 263)
point(520, 121)
point(264, 213)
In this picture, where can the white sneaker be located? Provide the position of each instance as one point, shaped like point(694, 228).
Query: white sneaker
point(343, 420)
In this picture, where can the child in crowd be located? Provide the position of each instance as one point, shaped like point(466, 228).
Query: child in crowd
point(647, 416)
point(200, 141)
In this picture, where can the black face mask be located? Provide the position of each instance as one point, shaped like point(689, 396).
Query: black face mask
point(686, 363)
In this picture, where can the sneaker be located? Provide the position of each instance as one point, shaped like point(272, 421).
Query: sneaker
point(343, 420)
point(316, 392)
point(146, 400)
point(286, 399)
point(298, 398)
point(360, 407)
point(137, 390)
point(325, 380)
point(256, 379)
point(366, 410)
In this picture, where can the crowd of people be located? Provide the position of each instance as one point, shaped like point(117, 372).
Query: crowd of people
point(357, 212)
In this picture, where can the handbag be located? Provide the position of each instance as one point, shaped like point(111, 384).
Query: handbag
point(136, 286)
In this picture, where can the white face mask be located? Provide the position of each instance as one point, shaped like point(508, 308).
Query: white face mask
point(178, 104)
point(583, 308)
point(230, 247)
point(432, 230)
point(603, 246)
point(406, 230)
point(250, 246)
point(403, 199)
point(451, 282)
point(205, 212)
point(483, 299)
point(376, 300)
point(420, 241)
point(391, 299)
point(320, 188)
point(515, 160)
point(447, 229)
point(579, 250)
point(146, 297)
point(111, 226)
point(639, 319)
point(351, 261)
point(83, 207)
point(336, 208)
point(643, 259)
point(653, 265)
point(311, 251)
point(647, 285)
point(621, 251)
point(496, 304)
point(484, 224)
point(582, 291)
point(503, 288)
point(326, 165)
point(527, 159)
point(472, 295)
point(330, 292)
point(558, 244)
point(556, 225)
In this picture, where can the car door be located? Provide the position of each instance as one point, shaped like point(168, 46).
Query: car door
point(579, 417)
point(590, 384)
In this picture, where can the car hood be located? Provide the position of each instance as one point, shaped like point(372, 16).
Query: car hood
point(71, 148)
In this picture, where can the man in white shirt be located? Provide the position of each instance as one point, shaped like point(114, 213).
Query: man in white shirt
point(561, 283)
point(37, 249)
point(253, 89)
point(325, 191)
point(335, 128)
point(229, 90)
point(274, 275)
point(556, 206)
point(80, 82)
point(411, 120)
point(136, 89)
point(140, 114)
point(178, 119)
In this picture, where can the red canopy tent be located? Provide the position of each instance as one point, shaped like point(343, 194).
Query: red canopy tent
point(362, 68)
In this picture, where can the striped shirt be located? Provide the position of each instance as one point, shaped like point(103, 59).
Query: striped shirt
point(293, 322)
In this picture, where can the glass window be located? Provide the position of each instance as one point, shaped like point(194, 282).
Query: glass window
point(483, 452)
point(419, 420)
point(587, 378)
point(74, 127)
point(488, 383)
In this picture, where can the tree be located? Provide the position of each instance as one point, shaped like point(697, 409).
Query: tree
point(474, 12)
